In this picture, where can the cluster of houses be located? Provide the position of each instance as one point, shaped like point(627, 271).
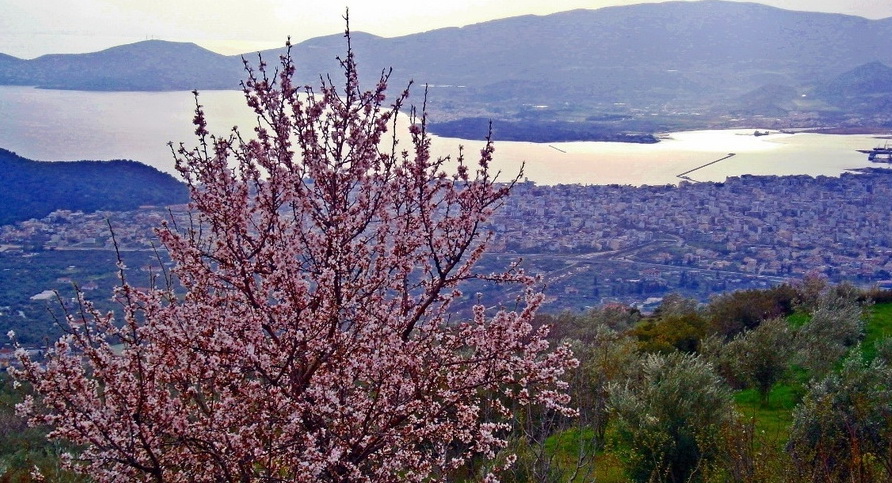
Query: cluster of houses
point(772, 226)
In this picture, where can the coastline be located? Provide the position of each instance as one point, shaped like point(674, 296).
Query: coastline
point(855, 130)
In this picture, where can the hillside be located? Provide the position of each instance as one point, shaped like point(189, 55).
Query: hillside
point(866, 88)
point(33, 189)
point(13, 71)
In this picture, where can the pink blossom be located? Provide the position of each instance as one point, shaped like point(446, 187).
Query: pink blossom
point(311, 339)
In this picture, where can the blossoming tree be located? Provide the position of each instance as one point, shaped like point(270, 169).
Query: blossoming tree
point(306, 331)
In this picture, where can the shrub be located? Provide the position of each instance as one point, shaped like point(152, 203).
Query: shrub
point(670, 417)
point(842, 430)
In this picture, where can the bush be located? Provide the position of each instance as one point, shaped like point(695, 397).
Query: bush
point(675, 332)
point(835, 326)
point(732, 313)
point(842, 430)
point(669, 419)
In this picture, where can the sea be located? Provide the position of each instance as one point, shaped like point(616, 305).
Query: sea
point(58, 125)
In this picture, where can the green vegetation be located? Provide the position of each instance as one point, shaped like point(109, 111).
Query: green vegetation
point(25, 275)
point(761, 357)
point(841, 430)
point(33, 189)
point(669, 419)
point(654, 409)
point(23, 448)
point(774, 416)
point(877, 329)
point(793, 360)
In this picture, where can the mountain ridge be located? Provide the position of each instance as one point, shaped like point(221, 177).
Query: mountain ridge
point(668, 60)
point(716, 24)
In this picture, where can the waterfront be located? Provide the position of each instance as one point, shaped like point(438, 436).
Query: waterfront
point(51, 125)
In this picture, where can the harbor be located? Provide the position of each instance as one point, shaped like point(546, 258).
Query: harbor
point(879, 154)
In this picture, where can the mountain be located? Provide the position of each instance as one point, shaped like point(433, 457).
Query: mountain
point(678, 64)
point(861, 96)
point(33, 189)
point(668, 60)
point(771, 99)
point(152, 65)
point(640, 54)
point(868, 80)
point(13, 71)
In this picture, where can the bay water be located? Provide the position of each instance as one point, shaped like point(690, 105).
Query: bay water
point(54, 125)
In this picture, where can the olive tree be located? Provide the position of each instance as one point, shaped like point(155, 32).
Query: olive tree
point(842, 430)
point(670, 417)
point(761, 357)
point(836, 324)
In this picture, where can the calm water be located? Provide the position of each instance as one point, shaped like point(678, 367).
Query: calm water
point(56, 125)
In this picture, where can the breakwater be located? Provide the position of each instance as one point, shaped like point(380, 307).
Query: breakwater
point(686, 173)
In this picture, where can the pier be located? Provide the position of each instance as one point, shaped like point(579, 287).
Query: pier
point(686, 173)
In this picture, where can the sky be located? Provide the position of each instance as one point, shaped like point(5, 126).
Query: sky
point(30, 28)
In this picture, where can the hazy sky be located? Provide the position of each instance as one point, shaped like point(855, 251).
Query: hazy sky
point(29, 28)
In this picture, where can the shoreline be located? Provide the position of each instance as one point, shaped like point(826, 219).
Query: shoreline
point(862, 130)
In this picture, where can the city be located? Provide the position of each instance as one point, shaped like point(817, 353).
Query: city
point(600, 244)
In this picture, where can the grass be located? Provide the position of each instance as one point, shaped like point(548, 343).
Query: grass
point(609, 469)
point(878, 327)
point(798, 319)
point(566, 447)
point(775, 418)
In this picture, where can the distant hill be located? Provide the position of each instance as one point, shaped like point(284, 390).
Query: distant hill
point(860, 87)
point(675, 58)
point(153, 65)
point(33, 189)
point(770, 99)
point(14, 71)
